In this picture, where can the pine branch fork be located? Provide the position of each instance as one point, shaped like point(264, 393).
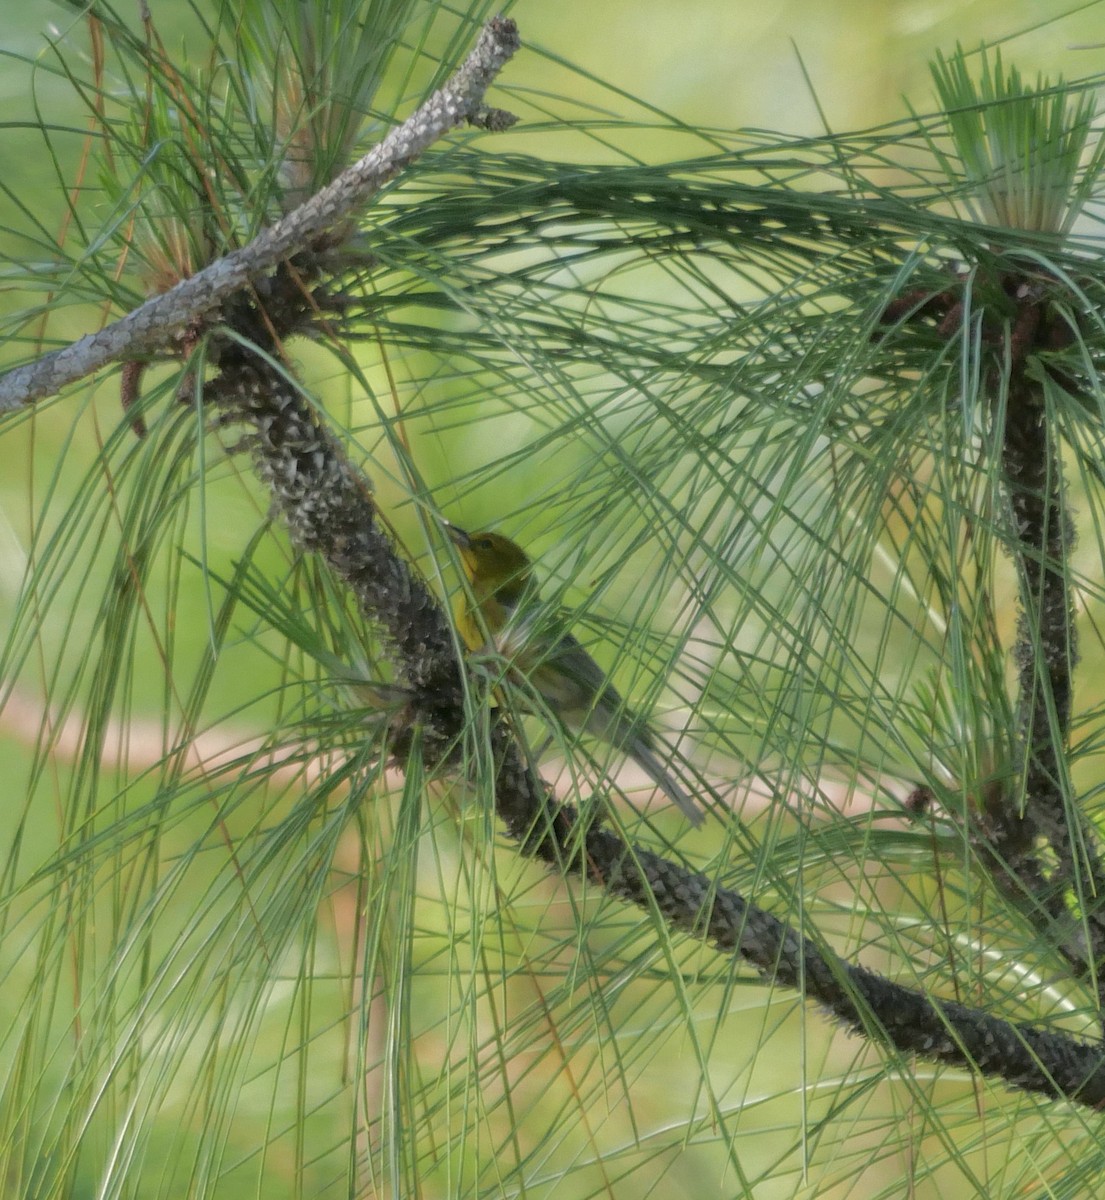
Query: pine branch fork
point(328, 508)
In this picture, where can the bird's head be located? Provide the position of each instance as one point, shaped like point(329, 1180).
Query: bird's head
point(497, 567)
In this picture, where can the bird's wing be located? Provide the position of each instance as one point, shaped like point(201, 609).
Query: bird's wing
point(575, 687)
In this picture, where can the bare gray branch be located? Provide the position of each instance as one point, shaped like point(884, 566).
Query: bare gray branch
point(156, 322)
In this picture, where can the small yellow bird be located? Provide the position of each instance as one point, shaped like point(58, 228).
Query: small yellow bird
point(568, 679)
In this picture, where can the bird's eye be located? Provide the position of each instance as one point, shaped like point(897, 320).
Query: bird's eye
point(484, 543)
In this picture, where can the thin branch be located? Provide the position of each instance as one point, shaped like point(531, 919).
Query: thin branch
point(152, 325)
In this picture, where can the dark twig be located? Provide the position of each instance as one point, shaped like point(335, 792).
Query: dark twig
point(1045, 653)
point(1015, 819)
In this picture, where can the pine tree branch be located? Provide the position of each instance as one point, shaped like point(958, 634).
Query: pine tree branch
point(329, 510)
point(1037, 843)
point(1046, 652)
point(153, 325)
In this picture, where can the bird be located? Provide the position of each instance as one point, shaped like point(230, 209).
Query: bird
point(505, 604)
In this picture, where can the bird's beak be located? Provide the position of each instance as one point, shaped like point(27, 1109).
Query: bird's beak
point(460, 536)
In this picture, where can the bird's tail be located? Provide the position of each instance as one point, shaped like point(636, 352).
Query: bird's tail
point(646, 756)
